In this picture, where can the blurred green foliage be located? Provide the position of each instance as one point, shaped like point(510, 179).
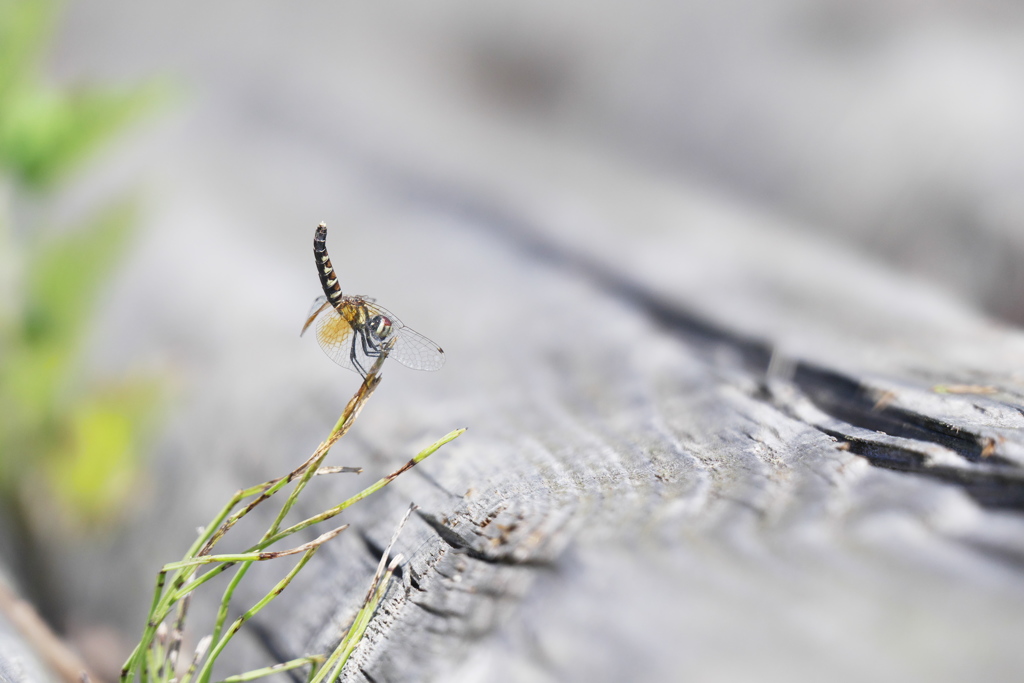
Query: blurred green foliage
point(46, 130)
point(68, 445)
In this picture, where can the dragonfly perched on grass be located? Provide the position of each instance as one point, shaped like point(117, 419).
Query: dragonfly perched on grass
point(353, 330)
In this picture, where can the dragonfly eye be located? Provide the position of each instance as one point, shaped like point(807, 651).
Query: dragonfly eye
point(380, 326)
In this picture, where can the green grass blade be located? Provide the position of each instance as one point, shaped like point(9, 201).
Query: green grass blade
point(276, 668)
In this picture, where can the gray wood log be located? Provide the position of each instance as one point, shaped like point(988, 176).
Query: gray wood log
point(701, 446)
point(20, 662)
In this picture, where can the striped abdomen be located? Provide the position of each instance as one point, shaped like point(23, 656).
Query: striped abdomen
point(328, 278)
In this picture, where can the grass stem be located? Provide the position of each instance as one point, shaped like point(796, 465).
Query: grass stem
point(154, 659)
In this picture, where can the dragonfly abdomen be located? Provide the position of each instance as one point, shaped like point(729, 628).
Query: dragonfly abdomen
point(324, 268)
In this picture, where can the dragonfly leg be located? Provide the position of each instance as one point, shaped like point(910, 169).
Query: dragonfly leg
point(352, 356)
point(369, 348)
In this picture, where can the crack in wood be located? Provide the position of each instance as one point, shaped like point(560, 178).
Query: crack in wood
point(460, 544)
point(990, 489)
point(849, 400)
point(438, 611)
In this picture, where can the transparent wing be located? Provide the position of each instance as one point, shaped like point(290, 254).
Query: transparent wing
point(415, 351)
point(411, 348)
point(318, 305)
point(335, 336)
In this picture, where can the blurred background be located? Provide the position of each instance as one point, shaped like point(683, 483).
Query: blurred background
point(164, 166)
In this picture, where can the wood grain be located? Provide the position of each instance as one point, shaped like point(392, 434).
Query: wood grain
point(701, 446)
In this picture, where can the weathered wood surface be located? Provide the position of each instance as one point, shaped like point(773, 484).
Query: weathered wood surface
point(18, 662)
point(685, 423)
point(702, 445)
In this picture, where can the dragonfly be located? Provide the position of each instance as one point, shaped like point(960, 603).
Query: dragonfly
point(354, 331)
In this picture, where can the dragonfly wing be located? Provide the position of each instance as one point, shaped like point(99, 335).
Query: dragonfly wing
point(373, 309)
point(318, 306)
point(335, 336)
point(415, 351)
point(411, 348)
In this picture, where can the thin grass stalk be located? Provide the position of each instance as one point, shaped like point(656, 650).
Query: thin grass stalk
point(355, 635)
point(341, 427)
point(211, 529)
point(177, 636)
point(369, 490)
point(150, 630)
point(330, 669)
point(328, 514)
point(265, 491)
point(337, 469)
point(336, 662)
point(201, 649)
point(204, 673)
point(276, 668)
point(258, 557)
point(162, 651)
point(152, 656)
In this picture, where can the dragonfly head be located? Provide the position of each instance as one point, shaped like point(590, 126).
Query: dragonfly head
point(380, 326)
